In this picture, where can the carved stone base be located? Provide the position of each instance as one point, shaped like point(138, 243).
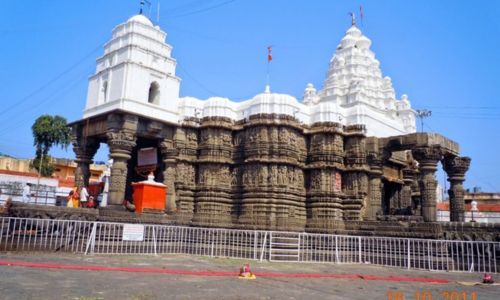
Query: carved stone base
point(352, 208)
point(185, 205)
point(274, 209)
point(323, 209)
point(213, 207)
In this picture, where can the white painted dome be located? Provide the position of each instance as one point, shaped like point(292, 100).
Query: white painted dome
point(140, 19)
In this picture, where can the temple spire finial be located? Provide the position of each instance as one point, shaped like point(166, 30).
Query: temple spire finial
point(353, 19)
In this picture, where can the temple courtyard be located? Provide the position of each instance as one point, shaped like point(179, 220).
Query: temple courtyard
point(47, 276)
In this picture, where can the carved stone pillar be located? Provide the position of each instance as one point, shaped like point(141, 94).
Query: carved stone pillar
point(272, 177)
point(456, 167)
point(355, 178)
point(169, 154)
point(85, 149)
point(120, 145)
point(406, 202)
point(428, 158)
point(374, 186)
point(213, 203)
point(182, 151)
point(324, 186)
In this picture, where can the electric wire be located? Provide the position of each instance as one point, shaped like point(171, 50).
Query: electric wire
point(51, 81)
point(57, 94)
point(202, 10)
point(184, 8)
point(201, 85)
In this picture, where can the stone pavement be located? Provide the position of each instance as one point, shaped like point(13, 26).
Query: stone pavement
point(39, 283)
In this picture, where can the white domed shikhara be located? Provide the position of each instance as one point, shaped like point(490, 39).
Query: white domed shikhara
point(137, 74)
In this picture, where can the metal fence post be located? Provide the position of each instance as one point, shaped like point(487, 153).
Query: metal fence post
point(359, 249)
point(91, 240)
point(336, 249)
point(212, 244)
point(270, 245)
point(429, 254)
point(154, 240)
point(255, 239)
point(298, 252)
point(263, 246)
point(409, 254)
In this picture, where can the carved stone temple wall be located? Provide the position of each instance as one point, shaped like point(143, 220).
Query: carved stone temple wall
point(272, 172)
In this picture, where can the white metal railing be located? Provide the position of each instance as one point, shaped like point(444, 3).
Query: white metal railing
point(23, 234)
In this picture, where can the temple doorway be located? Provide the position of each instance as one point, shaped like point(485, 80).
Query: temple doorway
point(391, 197)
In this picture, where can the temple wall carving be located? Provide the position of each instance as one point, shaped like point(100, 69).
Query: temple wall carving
point(272, 172)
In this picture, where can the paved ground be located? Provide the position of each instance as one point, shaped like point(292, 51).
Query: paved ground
point(34, 283)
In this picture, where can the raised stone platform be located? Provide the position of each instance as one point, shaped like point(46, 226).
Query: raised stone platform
point(389, 228)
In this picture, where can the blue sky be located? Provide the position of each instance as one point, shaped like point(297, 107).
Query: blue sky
point(444, 54)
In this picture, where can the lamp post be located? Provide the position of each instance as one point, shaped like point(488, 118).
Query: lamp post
point(473, 208)
point(423, 113)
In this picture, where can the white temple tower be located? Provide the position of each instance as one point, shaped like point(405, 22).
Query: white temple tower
point(135, 74)
point(355, 87)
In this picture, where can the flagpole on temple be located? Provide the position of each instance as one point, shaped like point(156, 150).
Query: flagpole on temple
point(361, 14)
point(269, 58)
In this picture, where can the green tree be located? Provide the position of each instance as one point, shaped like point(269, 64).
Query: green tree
point(47, 132)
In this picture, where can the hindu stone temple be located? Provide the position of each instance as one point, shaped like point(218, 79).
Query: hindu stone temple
point(345, 153)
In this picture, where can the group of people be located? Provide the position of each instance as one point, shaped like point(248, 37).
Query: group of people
point(80, 198)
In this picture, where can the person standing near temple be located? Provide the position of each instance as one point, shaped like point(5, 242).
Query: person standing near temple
point(84, 194)
point(27, 193)
point(75, 197)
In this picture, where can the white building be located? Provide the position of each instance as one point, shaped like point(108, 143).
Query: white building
point(137, 74)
